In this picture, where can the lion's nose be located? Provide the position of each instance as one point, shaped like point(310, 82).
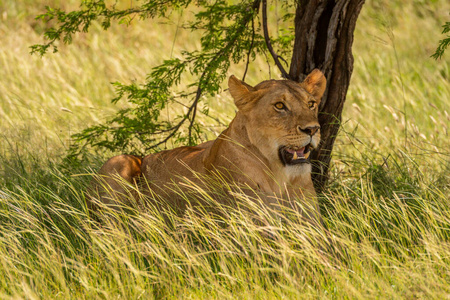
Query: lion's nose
point(310, 130)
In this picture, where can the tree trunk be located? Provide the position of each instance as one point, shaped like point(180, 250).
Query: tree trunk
point(323, 40)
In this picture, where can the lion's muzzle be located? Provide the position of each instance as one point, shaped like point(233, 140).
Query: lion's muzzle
point(291, 156)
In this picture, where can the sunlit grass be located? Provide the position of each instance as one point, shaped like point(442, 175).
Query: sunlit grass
point(386, 211)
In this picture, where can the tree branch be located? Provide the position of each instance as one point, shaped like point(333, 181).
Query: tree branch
point(249, 50)
point(268, 43)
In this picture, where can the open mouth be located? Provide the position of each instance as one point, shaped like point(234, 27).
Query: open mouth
point(294, 156)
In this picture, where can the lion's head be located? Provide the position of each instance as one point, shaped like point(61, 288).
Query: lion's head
point(281, 116)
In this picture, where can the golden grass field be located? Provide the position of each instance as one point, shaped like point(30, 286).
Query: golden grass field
point(387, 204)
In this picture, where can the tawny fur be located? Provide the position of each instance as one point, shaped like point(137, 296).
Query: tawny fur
point(245, 153)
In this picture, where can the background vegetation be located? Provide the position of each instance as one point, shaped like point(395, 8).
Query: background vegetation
point(387, 206)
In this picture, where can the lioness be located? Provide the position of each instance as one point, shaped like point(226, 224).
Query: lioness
point(265, 148)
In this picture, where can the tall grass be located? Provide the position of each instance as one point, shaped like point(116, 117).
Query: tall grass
point(388, 239)
point(386, 212)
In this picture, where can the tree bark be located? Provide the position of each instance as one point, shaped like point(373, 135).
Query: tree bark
point(323, 40)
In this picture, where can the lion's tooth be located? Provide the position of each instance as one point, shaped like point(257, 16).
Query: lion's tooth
point(306, 155)
point(295, 155)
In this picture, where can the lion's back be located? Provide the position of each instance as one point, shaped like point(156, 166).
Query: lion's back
point(179, 162)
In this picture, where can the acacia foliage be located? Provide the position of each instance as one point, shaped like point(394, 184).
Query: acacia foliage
point(230, 34)
point(444, 43)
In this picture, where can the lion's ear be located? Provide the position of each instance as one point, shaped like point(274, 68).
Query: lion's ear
point(315, 84)
point(240, 91)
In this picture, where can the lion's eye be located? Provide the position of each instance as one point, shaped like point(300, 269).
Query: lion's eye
point(280, 106)
point(311, 105)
